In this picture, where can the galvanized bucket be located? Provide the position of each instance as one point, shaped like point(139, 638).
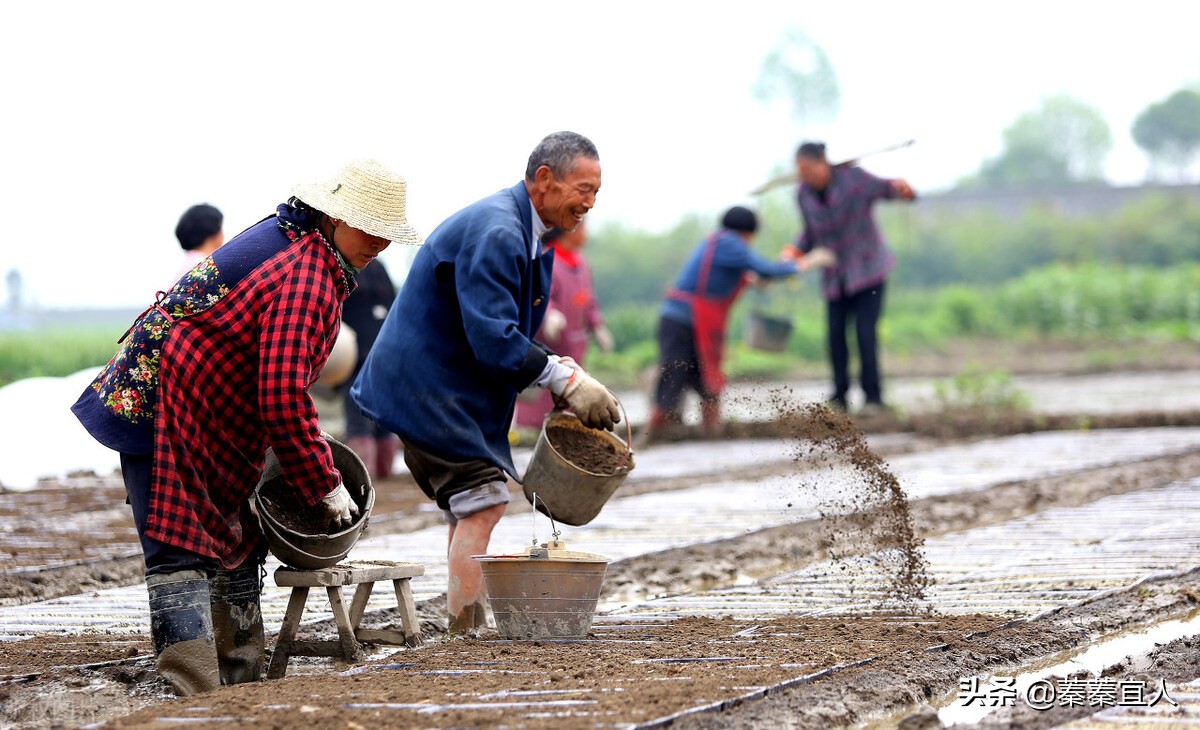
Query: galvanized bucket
point(548, 592)
point(566, 492)
point(768, 333)
point(311, 552)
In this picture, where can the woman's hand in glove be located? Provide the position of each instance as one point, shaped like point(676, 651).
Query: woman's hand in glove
point(339, 508)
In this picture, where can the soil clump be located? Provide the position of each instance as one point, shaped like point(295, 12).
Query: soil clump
point(285, 506)
point(585, 452)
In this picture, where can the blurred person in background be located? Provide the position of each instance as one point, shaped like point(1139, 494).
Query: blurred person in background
point(364, 312)
point(691, 325)
point(209, 377)
point(836, 207)
point(200, 232)
point(572, 318)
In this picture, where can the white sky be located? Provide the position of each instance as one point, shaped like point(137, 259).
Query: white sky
point(119, 115)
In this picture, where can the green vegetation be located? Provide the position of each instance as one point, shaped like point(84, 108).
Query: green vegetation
point(1063, 141)
point(1169, 132)
point(1067, 303)
point(1127, 276)
point(54, 352)
point(974, 390)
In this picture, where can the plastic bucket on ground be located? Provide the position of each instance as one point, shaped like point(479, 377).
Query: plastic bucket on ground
point(320, 550)
point(549, 592)
point(768, 333)
point(566, 492)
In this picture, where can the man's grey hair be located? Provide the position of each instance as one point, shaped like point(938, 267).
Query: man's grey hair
point(559, 152)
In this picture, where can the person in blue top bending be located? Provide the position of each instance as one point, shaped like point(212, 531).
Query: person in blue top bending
point(691, 325)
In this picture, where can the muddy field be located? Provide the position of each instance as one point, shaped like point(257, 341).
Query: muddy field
point(854, 583)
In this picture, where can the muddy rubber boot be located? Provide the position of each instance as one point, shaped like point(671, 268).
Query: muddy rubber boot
point(656, 428)
point(182, 630)
point(238, 624)
point(364, 447)
point(710, 418)
point(385, 456)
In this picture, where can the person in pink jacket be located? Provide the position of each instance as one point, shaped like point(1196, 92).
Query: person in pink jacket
point(573, 316)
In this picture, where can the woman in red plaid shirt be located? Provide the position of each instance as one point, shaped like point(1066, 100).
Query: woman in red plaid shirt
point(212, 374)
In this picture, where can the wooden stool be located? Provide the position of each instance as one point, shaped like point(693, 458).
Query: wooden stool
point(347, 647)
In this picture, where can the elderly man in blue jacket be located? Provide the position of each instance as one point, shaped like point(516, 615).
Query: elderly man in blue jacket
point(457, 347)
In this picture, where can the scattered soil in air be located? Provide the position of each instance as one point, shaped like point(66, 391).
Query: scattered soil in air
point(285, 506)
point(594, 455)
point(888, 537)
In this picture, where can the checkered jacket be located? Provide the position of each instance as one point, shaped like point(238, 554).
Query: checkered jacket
point(843, 222)
point(232, 380)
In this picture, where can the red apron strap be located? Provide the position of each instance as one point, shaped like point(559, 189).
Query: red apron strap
point(709, 316)
point(159, 297)
point(710, 252)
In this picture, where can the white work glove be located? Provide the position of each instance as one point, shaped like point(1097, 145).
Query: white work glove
point(339, 508)
point(553, 324)
point(821, 258)
point(604, 339)
point(590, 401)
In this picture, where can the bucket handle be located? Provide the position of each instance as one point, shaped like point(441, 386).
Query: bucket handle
point(628, 432)
point(553, 525)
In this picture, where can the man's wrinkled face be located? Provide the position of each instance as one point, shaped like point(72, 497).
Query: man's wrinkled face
point(566, 200)
point(813, 173)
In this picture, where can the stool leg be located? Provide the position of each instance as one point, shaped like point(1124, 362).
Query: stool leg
point(408, 611)
point(350, 648)
point(287, 633)
point(359, 603)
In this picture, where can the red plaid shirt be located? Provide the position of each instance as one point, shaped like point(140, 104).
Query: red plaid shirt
point(234, 380)
point(218, 370)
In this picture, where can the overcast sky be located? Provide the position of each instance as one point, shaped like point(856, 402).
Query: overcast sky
point(119, 115)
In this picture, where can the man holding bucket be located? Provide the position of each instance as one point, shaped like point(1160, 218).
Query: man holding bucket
point(691, 326)
point(457, 347)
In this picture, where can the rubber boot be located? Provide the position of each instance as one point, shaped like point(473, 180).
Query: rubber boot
point(385, 456)
point(182, 630)
point(710, 418)
point(364, 446)
point(656, 428)
point(238, 624)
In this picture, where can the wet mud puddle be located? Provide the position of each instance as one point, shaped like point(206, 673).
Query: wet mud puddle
point(1093, 660)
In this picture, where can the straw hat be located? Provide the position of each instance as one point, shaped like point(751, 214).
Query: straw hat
point(366, 195)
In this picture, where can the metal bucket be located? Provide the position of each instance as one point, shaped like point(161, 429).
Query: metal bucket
point(767, 333)
point(566, 492)
point(547, 593)
point(310, 552)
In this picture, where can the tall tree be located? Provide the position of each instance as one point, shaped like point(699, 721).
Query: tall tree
point(13, 281)
point(1062, 141)
point(1169, 133)
point(798, 72)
